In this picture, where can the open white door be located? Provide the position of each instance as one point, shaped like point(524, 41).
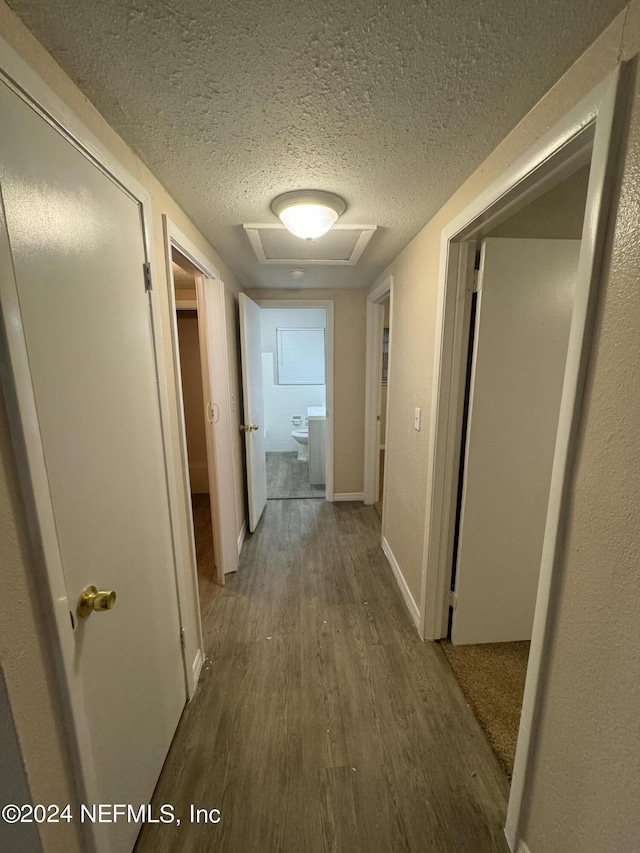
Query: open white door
point(524, 310)
point(217, 400)
point(82, 370)
point(254, 430)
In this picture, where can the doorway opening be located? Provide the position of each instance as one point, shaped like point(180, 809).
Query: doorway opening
point(586, 137)
point(377, 386)
point(194, 379)
point(294, 393)
point(287, 379)
point(519, 326)
point(208, 329)
point(382, 402)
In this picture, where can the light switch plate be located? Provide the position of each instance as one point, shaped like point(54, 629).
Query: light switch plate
point(417, 416)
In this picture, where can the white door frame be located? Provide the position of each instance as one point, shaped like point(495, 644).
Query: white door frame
point(593, 126)
point(47, 571)
point(327, 304)
point(215, 371)
point(373, 369)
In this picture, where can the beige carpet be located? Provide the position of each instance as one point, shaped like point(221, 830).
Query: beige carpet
point(492, 678)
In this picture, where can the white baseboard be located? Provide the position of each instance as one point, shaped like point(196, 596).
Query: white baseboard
point(348, 496)
point(242, 536)
point(196, 668)
point(412, 607)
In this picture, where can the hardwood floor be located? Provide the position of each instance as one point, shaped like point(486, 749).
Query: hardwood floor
point(288, 477)
point(322, 722)
point(208, 586)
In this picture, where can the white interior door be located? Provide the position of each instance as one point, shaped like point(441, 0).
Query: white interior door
point(77, 250)
point(254, 429)
point(524, 309)
point(217, 397)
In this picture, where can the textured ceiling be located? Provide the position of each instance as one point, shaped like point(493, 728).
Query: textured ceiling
point(390, 104)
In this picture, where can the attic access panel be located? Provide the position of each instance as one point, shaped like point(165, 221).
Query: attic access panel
point(343, 245)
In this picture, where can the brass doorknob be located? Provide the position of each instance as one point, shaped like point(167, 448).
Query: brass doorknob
point(96, 599)
point(249, 427)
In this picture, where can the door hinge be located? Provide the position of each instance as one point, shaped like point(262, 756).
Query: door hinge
point(453, 599)
point(148, 285)
point(182, 640)
point(476, 281)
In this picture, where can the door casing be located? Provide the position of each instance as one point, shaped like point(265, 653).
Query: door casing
point(588, 132)
point(215, 357)
point(372, 426)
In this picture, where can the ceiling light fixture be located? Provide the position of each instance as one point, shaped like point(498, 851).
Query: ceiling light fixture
point(308, 213)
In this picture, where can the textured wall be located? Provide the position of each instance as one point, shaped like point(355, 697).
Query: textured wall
point(349, 373)
point(587, 758)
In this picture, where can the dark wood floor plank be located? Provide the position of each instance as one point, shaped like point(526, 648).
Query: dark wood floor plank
point(208, 586)
point(288, 477)
point(322, 724)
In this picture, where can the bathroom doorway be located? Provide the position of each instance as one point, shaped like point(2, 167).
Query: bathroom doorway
point(287, 377)
point(294, 392)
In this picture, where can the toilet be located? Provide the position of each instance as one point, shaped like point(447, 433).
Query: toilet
point(301, 435)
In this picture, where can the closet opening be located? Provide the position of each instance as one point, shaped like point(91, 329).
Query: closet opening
point(194, 381)
point(520, 310)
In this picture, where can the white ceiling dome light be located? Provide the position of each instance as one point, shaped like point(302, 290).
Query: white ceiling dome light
point(308, 213)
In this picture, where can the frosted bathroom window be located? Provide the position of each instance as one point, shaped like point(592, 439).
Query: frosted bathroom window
point(300, 356)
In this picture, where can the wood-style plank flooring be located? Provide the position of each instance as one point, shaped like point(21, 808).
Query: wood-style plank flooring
point(288, 477)
point(208, 586)
point(322, 722)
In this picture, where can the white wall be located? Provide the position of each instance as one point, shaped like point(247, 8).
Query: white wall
point(282, 402)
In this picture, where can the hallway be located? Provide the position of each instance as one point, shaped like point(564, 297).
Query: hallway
point(322, 722)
